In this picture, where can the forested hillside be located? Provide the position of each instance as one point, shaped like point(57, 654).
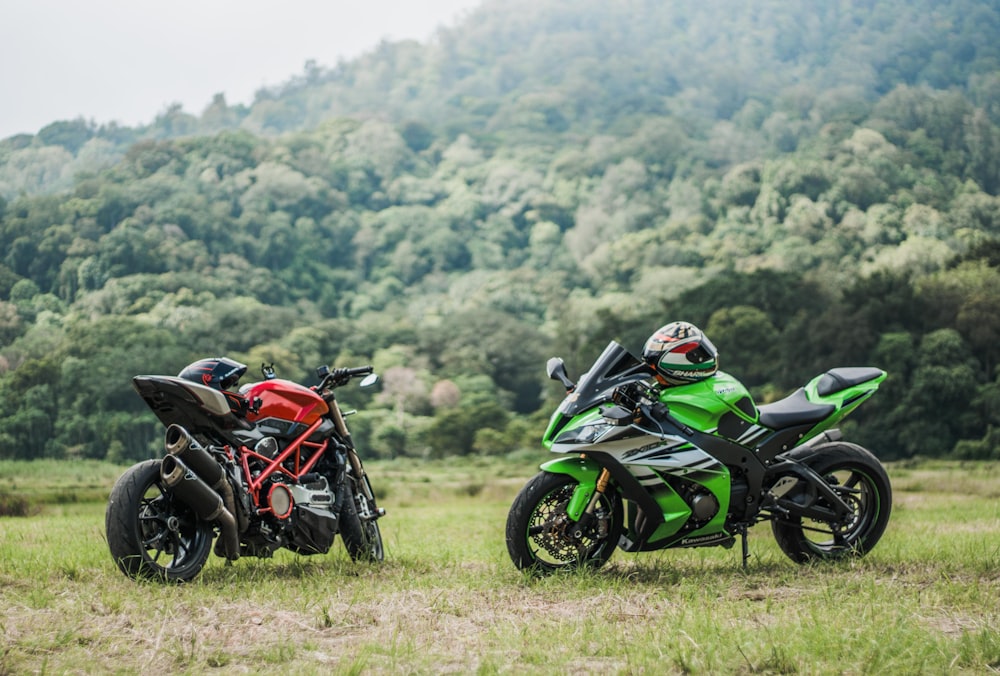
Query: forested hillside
point(814, 184)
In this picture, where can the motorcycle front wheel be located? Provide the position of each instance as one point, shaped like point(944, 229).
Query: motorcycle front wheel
point(860, 480)
point(542, 537)
point(359, 525)
point(150, 534)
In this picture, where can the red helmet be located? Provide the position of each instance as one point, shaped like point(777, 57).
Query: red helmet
point(681, 353)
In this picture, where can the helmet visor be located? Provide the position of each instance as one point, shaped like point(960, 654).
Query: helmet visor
point(696, 352)
point(699, 355)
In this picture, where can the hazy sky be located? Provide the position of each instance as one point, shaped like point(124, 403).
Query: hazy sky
point(127, 60)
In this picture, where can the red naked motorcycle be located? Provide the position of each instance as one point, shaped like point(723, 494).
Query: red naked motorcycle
point(270, 465)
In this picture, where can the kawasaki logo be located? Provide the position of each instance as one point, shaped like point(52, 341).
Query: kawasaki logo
point(702, 540)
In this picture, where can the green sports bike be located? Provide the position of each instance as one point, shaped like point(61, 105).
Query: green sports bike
point(667, 451)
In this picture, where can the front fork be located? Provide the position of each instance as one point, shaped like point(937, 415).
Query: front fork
point(592, 483)
point(602, 485)
point(364, 486)
point(587, 517)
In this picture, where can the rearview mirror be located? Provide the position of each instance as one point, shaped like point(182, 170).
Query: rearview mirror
point(557, 371)
point(368, 380)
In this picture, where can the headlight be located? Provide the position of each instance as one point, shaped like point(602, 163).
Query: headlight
point(583, 435)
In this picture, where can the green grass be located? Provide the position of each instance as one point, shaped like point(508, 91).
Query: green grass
point(38, 482)
point(448, 600)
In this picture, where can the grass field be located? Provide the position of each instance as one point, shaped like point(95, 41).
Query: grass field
point(448, 600)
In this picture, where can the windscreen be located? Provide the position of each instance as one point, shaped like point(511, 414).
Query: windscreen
point(616, 366)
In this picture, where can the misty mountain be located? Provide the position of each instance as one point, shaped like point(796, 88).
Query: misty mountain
point(815, 184)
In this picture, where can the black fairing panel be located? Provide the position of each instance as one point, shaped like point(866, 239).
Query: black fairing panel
point(747, 406)
point(615, 367)
point(175, 403)
point(313, 530)
point(287, 430)
point(279, 428)
point(781, 441)
point(732, 426)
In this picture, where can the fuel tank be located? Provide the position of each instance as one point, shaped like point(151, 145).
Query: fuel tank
point(285, 408)
point(717, 404)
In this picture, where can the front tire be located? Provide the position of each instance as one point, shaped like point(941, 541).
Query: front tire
point(359, 525)
point(150, 534)
point(540, 534)
point(862, 482)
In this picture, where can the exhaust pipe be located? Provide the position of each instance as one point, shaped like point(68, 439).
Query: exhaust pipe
point(179, 442)
point(208, 494)
point(206, 503)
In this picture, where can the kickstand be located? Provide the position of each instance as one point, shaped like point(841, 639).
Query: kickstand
point(742, 532)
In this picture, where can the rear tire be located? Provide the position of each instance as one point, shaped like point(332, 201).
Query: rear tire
point(862, 482)
point(540, 534)
point(150, 534)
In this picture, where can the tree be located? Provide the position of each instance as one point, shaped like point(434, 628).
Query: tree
point(935, 410)
point(978, 318)
point(34, 170)
point(10, 323)
point(983, 141)
point(70, 134)
point(499, 345)
point(454, 430)
point(779, 295)
point(445, 394)
point(747, 342)
point(405, 391)
point(417, 135)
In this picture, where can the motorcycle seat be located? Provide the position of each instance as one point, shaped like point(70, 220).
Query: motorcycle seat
point(836, 380)
point(795, 409)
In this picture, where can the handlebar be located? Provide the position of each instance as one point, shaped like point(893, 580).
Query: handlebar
point(644, 402)
point(340, 376)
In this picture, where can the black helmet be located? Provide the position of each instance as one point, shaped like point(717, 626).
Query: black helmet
point(220, 373)
point(681, 353)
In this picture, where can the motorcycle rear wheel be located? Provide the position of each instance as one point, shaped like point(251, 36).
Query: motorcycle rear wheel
point(862, 482)
point(150, 534)
point(359, 528)
point(539, 531)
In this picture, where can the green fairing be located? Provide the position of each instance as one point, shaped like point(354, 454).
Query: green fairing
point(676, 511)
point(845, 400)
point(585, 471)
point(586, 418)
point(701, 404)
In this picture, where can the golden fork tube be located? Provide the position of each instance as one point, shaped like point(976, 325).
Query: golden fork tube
point(602, 485)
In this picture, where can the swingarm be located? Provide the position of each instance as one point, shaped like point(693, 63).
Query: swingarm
point(792, 473)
